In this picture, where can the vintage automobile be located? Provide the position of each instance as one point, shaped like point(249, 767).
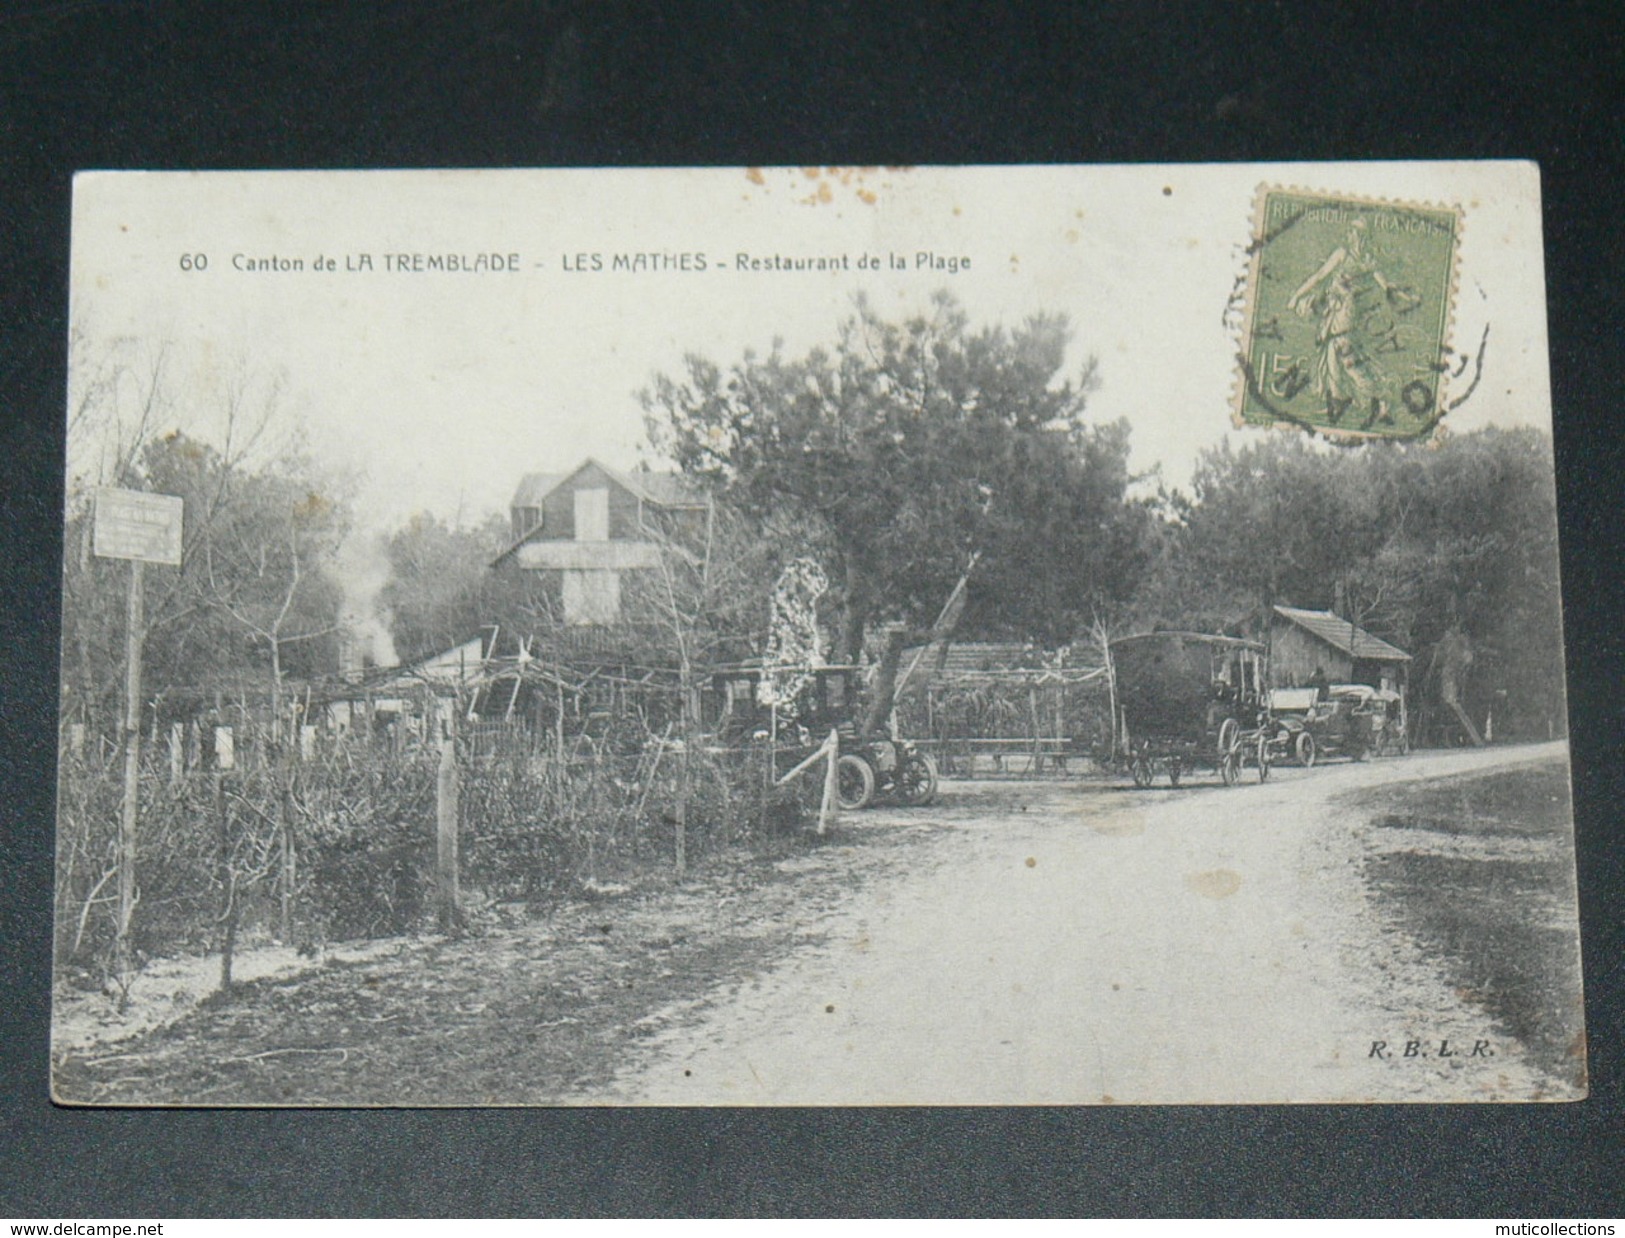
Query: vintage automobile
point(1352, 720)
point(868, 768)
point(1187, 700)
point(1295, 716)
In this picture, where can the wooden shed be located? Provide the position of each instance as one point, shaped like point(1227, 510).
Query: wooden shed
point(1311, 645)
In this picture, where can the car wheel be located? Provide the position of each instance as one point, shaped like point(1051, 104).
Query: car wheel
point(854, 783)
point(1304, 749)
point(917, 781)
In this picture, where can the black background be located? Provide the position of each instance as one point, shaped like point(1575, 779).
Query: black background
point(87, 85)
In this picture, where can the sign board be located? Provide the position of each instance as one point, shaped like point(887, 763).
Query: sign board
point(133, 524)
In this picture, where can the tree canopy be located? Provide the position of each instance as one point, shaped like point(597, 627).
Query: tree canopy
point(253, 601)
point(1411, 541)
point(908, 447)
point(440, 588)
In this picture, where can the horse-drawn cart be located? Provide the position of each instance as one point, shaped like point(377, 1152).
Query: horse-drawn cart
point(1187, 700)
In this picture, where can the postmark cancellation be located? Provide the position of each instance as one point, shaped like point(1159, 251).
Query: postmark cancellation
point(1348, 309)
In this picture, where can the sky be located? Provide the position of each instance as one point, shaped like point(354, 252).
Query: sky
point(437, 389)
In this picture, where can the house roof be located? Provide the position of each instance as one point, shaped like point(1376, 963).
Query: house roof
point(1343, 635)
point(664, 489)
point(661, 489)
point(533, 487)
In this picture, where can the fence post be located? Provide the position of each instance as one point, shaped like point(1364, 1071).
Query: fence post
point(1038, 729)
point(129, 810)
point(558, 730)
point(448, 912)
point(769, 770)
point(682, 806)
point(831, 802)
point(177, 752)
point(288, 860)
point(228, 884)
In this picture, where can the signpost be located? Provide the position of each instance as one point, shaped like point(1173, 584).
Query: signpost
point(136, 525)
point(143, 528)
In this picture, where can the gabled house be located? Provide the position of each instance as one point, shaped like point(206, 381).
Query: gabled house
point(1306, 645)
point(585, 530)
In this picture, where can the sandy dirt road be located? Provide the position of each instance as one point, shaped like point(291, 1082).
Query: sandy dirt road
point(1069, 943)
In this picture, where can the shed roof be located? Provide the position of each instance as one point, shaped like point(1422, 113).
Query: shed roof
point(984, 662)
point(971, 657)
point(1343, 635)
point(1200, 638)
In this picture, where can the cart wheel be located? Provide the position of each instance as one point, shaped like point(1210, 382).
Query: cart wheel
point(1174, 771)
point(1142, 772)
point(917, 781)
point(854, 783)
point(1263, 757)
point(1229, 733)
point(1304, 749)
point(1230, 766)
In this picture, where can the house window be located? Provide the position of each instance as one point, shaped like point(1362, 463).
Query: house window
point(525, 519)
point(592, 515)
point(592, 596)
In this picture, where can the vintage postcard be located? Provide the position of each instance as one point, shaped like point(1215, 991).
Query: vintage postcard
point(813, 636)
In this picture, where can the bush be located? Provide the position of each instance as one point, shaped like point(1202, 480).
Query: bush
point(368, 843)
point(362, 821)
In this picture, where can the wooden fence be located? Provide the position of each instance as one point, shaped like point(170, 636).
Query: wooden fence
point(360, 839)
point(1023, 722)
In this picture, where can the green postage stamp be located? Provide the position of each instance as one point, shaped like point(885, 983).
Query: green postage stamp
point(1349, 304)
